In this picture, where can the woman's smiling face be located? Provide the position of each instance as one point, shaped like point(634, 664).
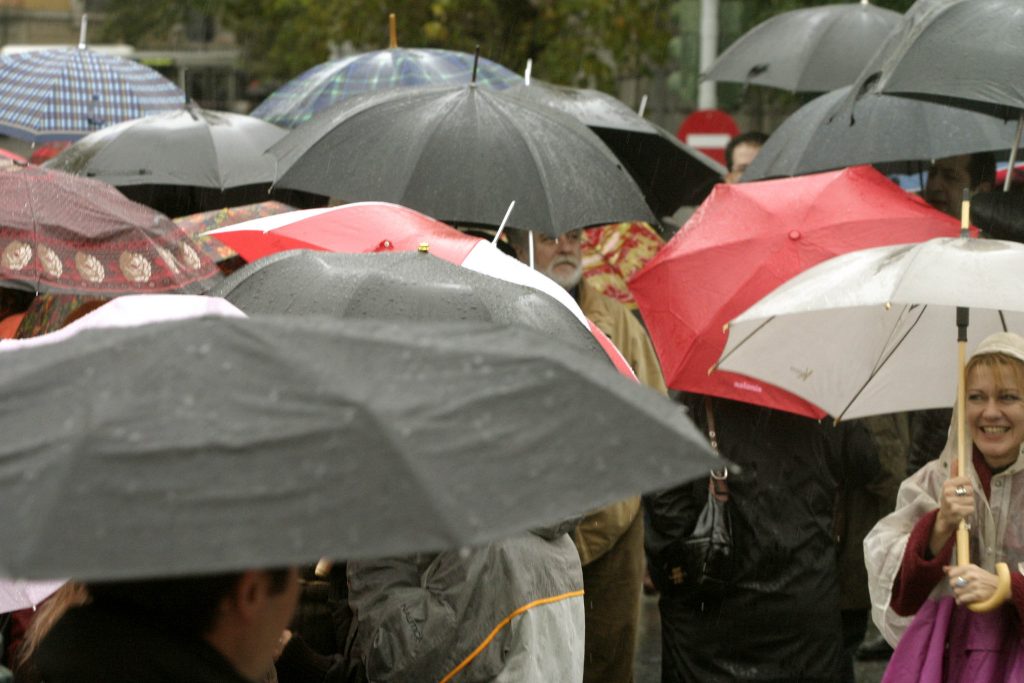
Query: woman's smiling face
point(995, 411)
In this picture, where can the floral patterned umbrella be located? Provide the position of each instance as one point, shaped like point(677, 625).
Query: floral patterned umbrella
point(612, 253)
point(63, 233)
point(204, 221)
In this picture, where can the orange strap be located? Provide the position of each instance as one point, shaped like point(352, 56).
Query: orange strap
point(505, 622)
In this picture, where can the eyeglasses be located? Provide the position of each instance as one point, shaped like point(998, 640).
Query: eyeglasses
point(571, 237)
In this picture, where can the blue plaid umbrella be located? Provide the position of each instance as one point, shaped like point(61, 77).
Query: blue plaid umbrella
point(63, 94)
point(318, 88)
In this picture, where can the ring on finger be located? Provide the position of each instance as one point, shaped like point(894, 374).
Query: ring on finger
point(960, 490)
point(961, 582)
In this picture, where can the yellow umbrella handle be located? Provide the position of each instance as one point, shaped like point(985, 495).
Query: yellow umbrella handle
point(1001, 595)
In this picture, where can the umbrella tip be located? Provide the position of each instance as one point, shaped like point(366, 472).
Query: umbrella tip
point(392, 31)
point(725, 328)
point(424, 248)
point(529, 70)
point(712, 368)
point(82, 31)
point(476, 63)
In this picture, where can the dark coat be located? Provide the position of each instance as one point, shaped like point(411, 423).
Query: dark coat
point(779, 618)
point(97, 643)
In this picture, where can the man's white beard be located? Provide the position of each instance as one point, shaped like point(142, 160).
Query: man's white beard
point(565, 280)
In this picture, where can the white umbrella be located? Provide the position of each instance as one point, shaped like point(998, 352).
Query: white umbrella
point(17, 594)
point(872, 332)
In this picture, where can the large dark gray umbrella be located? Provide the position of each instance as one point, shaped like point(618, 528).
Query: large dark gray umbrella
point(962, 52)
point(958, 52)
point(815, 49)
point(191, 146)
point(396, 286)
point(670, 173)
point(834, 131)
point(216, 444)
point(462, 155)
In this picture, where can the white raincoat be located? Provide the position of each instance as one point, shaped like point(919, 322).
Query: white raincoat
point(997, 530)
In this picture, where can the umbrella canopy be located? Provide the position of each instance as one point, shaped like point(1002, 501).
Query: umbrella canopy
point(837, 130)
point(874, 331)
point(395, 286)
point(18, 594)
point(815, 49)
point(670, 173)
point(7, 154)
point(462, 155)
point(63, 94)
point(351, 228)
point(62, 233)
point(748, 239)
point(961, 52)
point(198, 223)
point(317, 89)
point(190, 146)
point(383, 227)
point(319, 438)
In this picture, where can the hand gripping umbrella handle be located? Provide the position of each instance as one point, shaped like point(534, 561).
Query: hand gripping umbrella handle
point(1001, 595)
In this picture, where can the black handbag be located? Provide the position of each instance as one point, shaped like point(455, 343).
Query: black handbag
point(705, 557)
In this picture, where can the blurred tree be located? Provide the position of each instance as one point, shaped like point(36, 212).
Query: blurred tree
point(579, 42)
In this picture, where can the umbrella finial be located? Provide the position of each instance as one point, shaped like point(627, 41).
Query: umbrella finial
point(424, 248)
point(643, 106)
point(392, 31)
point(529, 70)
point(82, 31)
point(476, 63)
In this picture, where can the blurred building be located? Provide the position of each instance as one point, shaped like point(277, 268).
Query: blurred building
point(196, 54)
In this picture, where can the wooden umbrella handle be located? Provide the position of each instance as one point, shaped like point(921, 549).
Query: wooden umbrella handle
point(1001, 595)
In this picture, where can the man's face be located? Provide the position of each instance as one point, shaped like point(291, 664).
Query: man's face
point(743, 155)
point(947, 179)
point(560, 259)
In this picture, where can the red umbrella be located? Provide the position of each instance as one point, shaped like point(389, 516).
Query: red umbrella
point(747, 239)
point(380, 226)
point(67, 234)
point(350, 228)
point(8, 154)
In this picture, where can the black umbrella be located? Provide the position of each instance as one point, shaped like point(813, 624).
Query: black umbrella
point(216, 444)
point(965, 53)
point(191, 146)
point(670, 173)
point(396, 286)
point(961, 52)
point(815, 49)
point(834, 131)
point(462, 155)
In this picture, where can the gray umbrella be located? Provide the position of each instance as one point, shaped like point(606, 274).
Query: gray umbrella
point(217, 444)
point(191, 146)
point(807, 50)
point(834, 131)
point(396, 286)
point(462, 155)
point(670, 173)
point(962, 52)
point(958, 52)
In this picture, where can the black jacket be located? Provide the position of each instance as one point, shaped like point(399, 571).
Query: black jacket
point(779, 618)
point(102, 643)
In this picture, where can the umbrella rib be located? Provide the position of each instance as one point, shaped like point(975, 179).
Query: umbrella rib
point(881, 363)
point(740, 343)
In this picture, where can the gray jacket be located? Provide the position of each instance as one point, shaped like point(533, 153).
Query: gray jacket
point(508, 611)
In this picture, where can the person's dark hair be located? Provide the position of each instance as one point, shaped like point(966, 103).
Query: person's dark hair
point(981, 166)
point(187, 604)
point(754, 137)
